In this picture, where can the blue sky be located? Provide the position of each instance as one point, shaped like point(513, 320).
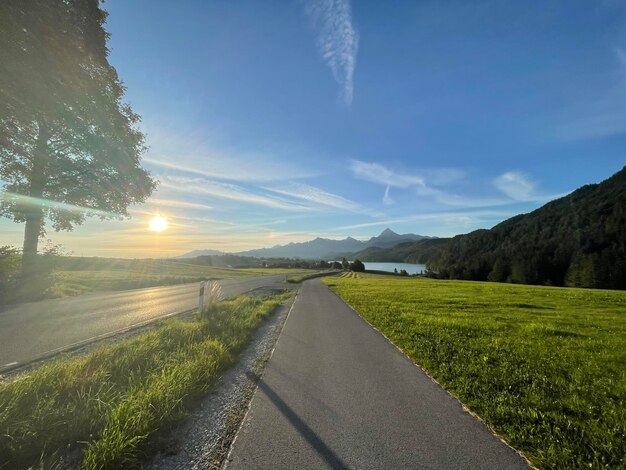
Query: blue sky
point(278, 121)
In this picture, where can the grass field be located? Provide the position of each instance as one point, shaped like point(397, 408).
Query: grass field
point(544, 366)
point(77, 277)
point(100, 411)
point(298, 279)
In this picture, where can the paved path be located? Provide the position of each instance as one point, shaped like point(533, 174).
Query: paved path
point(32, 329)
point(337, 394)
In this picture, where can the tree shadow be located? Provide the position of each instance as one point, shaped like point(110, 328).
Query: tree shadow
point(312, 438)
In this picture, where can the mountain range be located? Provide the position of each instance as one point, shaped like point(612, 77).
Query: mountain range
point(576, 240)
point(319, 248)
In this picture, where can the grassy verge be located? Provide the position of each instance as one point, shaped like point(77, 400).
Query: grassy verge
point(101, 410)
point(546, 367)
point(298, 279)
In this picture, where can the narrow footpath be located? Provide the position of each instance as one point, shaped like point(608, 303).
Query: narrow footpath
point(337, 394)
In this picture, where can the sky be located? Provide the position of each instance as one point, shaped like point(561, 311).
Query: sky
point(279, 121)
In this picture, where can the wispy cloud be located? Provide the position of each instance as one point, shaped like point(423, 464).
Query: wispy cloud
point(420, 184)
point(338, 41)
point(228, 191)
point(182, 168)
point(181, 150)
point(521, 188)
point(387, 200)
point(316, 196)
point(177, 204)
point(458, 217)
point(377, 173)
point(516, 185)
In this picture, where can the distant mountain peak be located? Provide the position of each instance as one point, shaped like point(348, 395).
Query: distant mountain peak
point(387, 232)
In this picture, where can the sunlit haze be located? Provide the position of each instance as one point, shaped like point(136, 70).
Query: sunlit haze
point(270, 123)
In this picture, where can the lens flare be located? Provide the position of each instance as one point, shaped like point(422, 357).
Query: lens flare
point(158, 223)
point(22, 202)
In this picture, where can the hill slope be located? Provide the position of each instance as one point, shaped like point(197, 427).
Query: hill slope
point(577, 240)
point(421, 251)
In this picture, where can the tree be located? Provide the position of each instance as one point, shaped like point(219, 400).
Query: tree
point(357, 266)
point(499, 272)
point(345, 264)
point(69, 146)
point(9, 268)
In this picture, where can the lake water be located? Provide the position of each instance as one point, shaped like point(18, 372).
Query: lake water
point(408, 267)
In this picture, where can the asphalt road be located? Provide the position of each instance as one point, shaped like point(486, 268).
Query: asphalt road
point(31, 330)
point(337, 394)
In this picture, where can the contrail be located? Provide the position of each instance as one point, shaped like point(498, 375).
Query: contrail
point(338, 41)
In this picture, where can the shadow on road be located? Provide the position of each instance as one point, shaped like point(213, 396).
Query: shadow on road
point(313, 439)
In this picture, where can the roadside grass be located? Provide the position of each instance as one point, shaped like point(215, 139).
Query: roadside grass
point(299, 279)
point(100, 411)
point(544, 366)
point(133, 274)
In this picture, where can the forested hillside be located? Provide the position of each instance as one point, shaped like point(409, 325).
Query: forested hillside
point(577, 240)
point(421, 251)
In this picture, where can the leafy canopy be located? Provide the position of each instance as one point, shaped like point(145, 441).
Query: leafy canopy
point(65, 133)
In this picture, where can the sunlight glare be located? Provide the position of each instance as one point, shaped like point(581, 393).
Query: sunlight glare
point(158, 224)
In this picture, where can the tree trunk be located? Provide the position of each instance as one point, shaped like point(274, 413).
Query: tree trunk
point(34, 213)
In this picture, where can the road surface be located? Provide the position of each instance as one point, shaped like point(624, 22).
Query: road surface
point(337, 394)
point(31, 330)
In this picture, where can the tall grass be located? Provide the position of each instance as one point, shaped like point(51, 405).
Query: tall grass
point(100, 411)
point(545, 366)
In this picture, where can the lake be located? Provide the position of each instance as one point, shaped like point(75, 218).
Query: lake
point(408, 267)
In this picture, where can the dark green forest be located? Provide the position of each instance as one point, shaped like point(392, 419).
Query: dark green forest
point(578, 240)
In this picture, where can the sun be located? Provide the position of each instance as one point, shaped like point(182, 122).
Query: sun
point(158, 224)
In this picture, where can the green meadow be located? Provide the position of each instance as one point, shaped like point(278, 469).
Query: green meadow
point(74, 276)
point(102, 410)
point(544, 366)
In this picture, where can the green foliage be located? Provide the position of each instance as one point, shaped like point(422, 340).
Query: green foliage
point(544, 366)
point(10, 263)
point(66, 136)
point(357, 266)
point(103, 408)
point(578, 240)
point(420, 251)
point(13, 286)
